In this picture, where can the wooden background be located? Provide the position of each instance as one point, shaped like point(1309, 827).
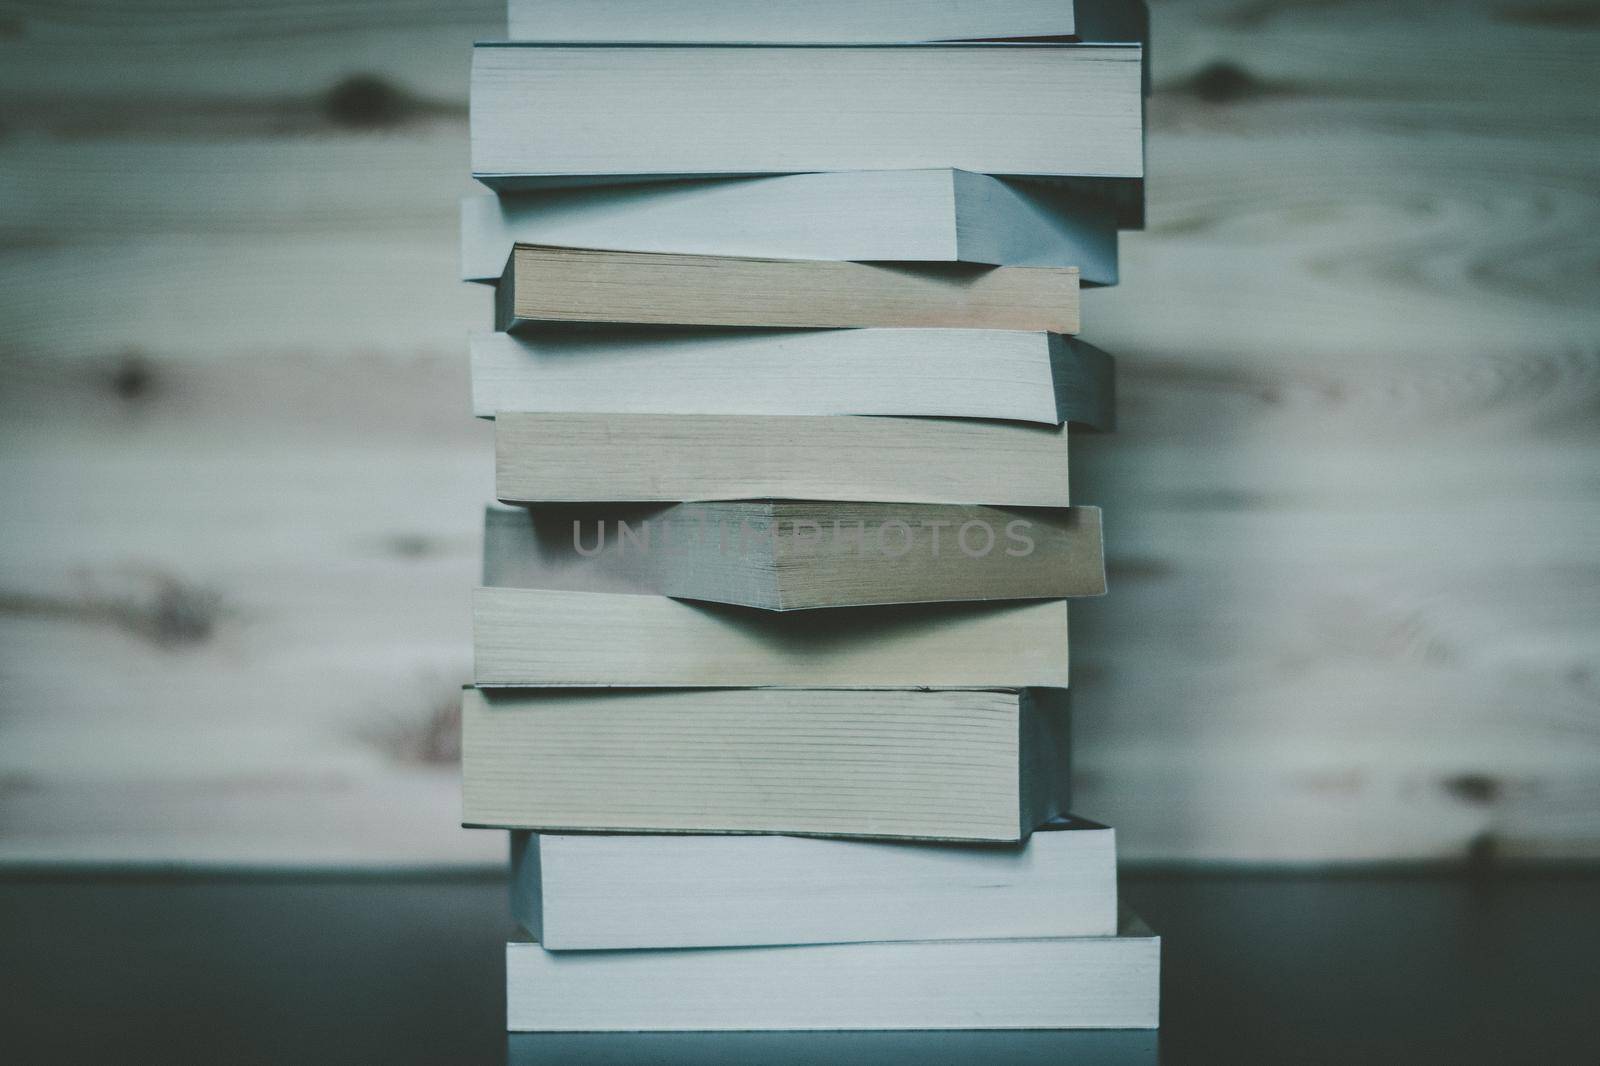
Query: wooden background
point(1353, 512)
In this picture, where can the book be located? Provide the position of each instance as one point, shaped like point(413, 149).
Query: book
point(541, 112)
point(592, 891)
point(544, 284)
point(891, 215)
point(786, 555)
point(823, 21)
point(556, 458)
point(1110, 982)
point(976, 373)
point(555, 638)
point(974, 765)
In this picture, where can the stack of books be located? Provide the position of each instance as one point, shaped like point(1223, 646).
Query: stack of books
point(771, 648)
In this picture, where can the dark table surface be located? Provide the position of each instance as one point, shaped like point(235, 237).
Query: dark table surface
point(1269, 968)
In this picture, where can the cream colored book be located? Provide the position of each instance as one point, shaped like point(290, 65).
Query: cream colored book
point(784, 555)
point(1049, 109)
point(802, 21)
point(973, 765)
point(1102, 982)
point(579, 458)
point(899, 216)
point(539, 637)
point(955, 373)
point(542, 283)
point(605, 892)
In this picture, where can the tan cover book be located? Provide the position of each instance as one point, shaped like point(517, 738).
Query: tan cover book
point(548, 284)
point(583, 458)
point(537, 637)
point(786, 555)
point(975, 765)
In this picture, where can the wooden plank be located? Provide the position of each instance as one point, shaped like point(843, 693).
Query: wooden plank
point(1479, 62)
point(1349, 512)
point(129, 55)
point(223, 639)
point(1407, 673)
point(101, 190)
point(198, 297)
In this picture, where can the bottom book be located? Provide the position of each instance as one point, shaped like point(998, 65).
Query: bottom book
point(1110, 982)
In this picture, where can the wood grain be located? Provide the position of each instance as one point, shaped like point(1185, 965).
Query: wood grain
point(1350, 511)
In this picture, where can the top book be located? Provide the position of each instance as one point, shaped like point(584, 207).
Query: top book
point(544, 114)
point(813, 21)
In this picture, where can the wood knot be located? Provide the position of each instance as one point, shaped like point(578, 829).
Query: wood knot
point(133, 377)
point(1477, 789)
point(411, 545)
point(1223, 82)
point(430, 736)
point(365, 101)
